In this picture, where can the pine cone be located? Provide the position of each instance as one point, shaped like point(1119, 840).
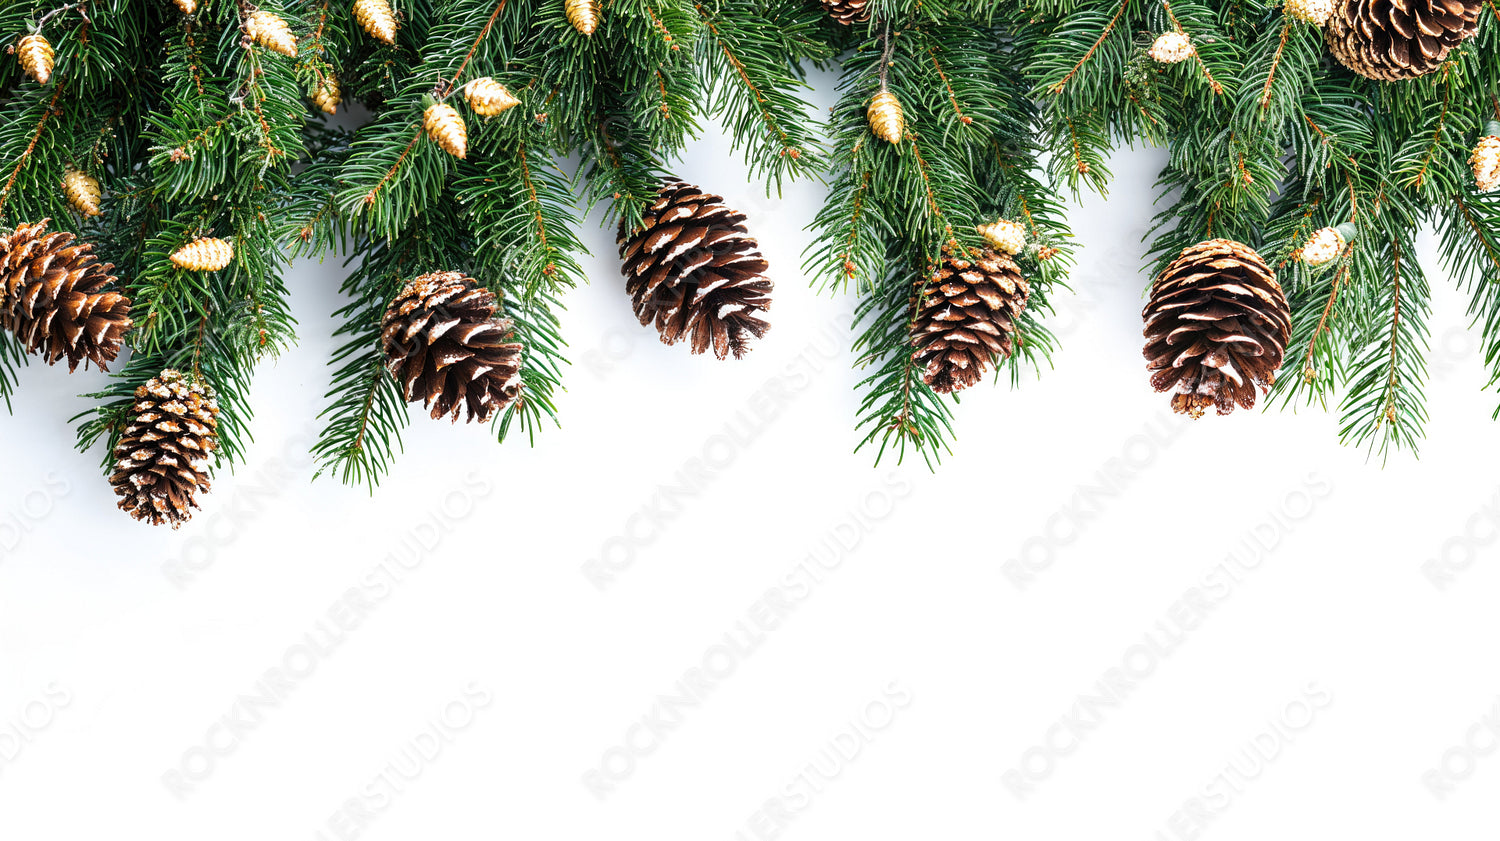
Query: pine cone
point(446, 348)
point(967, 317)
point(446, 129)
point(326, 94)
point(1006, 236)
point(1324, 245)
point(204, 254)
point(1485, 163)
point(693, 269)
point(161, 461)
point(487, 97)
point(1171, 48)
point(52, 296)
point(1216, 326)
point(847, 11)
point(82, 192)
point(1389, 40)
point(1315, 12)
point(186, 6)
point(377, 19)
point(886, 120)
point(583, 14)
point(36, 57)
point(271, 32)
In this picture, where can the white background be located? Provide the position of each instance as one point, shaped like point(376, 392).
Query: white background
point(1074, 527)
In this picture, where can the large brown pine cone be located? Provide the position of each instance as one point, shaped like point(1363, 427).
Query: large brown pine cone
point(447, 349)
point(1217, 325)
point(847, 11)
point(967, 318)
point(693, 269)
point(1389, 40)
point(53, 297)
point(161, 460)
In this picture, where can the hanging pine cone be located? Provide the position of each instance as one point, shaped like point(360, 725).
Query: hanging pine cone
point(1171, 47)
point(36, 57)
point(967, 318)
point(446, 348)
point(53, 298)
point(205, 254)
point(1006, 236)
point(1389, 40)
point(161, 461)
point(1324, 245)
point(847, 11)
point(1485, 162)
point(886, 119)
point(583, 14)
point(326, 94)
point(487, 97)
point(82, 192)
point(693, 269)
point(376, 17)
point(1216, 327)
point(1315, 12)
point(270, 31)
point(446, 129)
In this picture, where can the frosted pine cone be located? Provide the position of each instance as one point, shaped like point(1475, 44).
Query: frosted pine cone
point(446, 348)
point(967, 318)
point(1217, 325)
point(887, 121)
point(1486, 163)
point(161, 460)
point(55, 297)
point(1172, 47)
point(583, 14)
point(271, 32)
point(1006, 236)
point(205, 254)
point(1324, 245)
point(487, 97)
point(82, 192)
point(694, 271)
point(376, 17)
point(446, 129)
point(1315, 12)
point(326, 94)
point(36, 57)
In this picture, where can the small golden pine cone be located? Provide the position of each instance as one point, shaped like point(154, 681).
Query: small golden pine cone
point(1486, 163)
point(326, 95)
point(35, 55)
point(205, 254)
point(446, 129)
point(1171, 47)
point(377, 19)
point(271, 32)
point(583, 14)
point(1004, 235)
point(886, 119)
point(1315, 12)
point(187, 6)
point(82, 192)
point(1324, 245)
point(487, 97)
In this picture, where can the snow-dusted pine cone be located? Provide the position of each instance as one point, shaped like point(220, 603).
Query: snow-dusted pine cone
point(487, 97)
point(376, 17)
point(271, 32)
point(82, 192)
point(886, 118)
point(56, 297)
point(847, 11)
point(446, 128)
point(1390, 40)
point(694, 271)
point(187, 7)
point(967, 320)
point(162, 458)
point(1315, 12)
point(1324, 245)
point(446, 348)
point(1006, 236)
point(1171, 47)
point(1485, 161)
point(205, 254)
point(36, 57)
point(1217, 325)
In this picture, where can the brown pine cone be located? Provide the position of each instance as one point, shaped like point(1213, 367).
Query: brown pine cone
point(694, 270)
point(1217, 325)
point(161, 460)
point(53, 297)
point(967, 317)
point(847, 11)
point(1389, 40)
point(446, 348)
